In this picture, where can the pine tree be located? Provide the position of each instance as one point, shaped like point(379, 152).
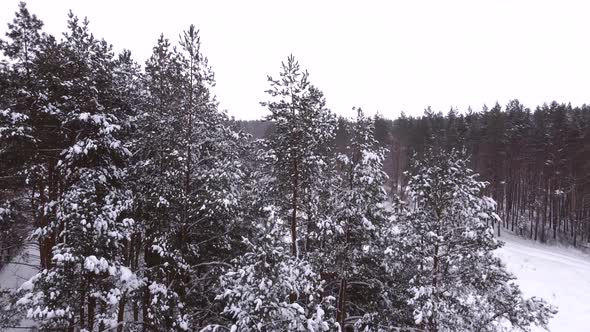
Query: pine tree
point(188, 176)
point(214, 188)
point(352, 241)
point(157, 173)
point(259, 292)
point(446, 245)
point(299, 149)
point(19, 106)
point(268, 289)
point(81, 283)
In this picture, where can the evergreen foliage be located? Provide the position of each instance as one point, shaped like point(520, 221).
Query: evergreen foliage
point(446, 244)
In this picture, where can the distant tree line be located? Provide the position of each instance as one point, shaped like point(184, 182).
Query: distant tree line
point(537, 162)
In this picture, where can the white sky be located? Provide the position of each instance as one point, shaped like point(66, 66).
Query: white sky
point(384, 56)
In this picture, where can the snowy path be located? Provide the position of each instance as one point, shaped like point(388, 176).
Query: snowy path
point(12, 275)
point(559, 275)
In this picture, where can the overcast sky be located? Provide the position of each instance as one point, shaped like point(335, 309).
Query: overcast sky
point(384, 56)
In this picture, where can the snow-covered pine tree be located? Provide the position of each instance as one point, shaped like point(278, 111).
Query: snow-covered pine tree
point(260, 291)
point(299, 154)
point(272, 288)
point(83, 277)
point(267, 288)
point(17, 77)
point(15, 140)
point(128, 85)
point(445, 249)
point(188, 176)
point(214, 179)
point(157, 173)
point(351, 238)
point(24, 153)
point(21, 103)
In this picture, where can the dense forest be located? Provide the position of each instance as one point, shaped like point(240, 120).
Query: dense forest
point(152, 210)
point(536, 161)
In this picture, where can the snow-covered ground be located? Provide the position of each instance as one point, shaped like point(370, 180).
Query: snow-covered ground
point(12, 275)
point(24, 266)
point(559, 275)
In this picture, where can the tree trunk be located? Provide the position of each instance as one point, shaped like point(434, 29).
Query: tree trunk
point(144, 307)
point(294, 204)
point(341, 310)
point(91, 308)
point(121, 313)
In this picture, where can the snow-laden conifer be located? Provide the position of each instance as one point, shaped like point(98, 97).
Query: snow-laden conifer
point(351, 237)
point(299, 149)
point(188, 177)
point(445, 245)
point(84, 225)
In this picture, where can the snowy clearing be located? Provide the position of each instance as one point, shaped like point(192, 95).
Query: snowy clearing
point(559, 275)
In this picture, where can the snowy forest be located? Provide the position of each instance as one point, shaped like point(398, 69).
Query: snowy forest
point(536, 161)
point(150, 209)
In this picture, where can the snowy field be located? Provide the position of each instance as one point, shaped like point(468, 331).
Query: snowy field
point(559, 275)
